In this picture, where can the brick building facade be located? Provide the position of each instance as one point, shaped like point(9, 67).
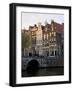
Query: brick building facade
point(46, 40)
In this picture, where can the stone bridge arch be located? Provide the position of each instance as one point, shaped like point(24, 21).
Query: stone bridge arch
point(33, 64)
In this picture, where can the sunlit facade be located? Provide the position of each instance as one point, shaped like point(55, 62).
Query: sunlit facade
point(47, 40)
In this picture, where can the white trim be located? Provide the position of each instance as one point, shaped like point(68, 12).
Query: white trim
point(19, 79)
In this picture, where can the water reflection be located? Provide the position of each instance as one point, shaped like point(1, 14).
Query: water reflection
point(43, 72)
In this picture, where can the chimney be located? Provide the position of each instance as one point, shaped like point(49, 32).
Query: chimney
point(52, 25)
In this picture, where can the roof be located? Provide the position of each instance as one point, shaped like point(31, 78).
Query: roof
point(57, 27)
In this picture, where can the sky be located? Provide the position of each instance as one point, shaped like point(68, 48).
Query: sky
point(29, 19)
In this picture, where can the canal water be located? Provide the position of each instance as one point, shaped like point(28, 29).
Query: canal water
point(43, 72)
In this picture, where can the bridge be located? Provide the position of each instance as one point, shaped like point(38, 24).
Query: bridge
point(40, 62)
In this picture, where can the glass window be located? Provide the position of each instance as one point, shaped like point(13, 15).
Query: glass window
point(52, 53)
point(47, 36)
point(50, 34)
point(55, 53)
point(44, 36)
point(54, 39)
point(54, 33)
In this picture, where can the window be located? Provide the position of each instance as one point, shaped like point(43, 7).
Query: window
point(52, 53)
point(33, 33)
point(54, 33)
point(47, 36)
point(50, 34)
point(44, 36)
point(55, 53)
point(54, 39)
